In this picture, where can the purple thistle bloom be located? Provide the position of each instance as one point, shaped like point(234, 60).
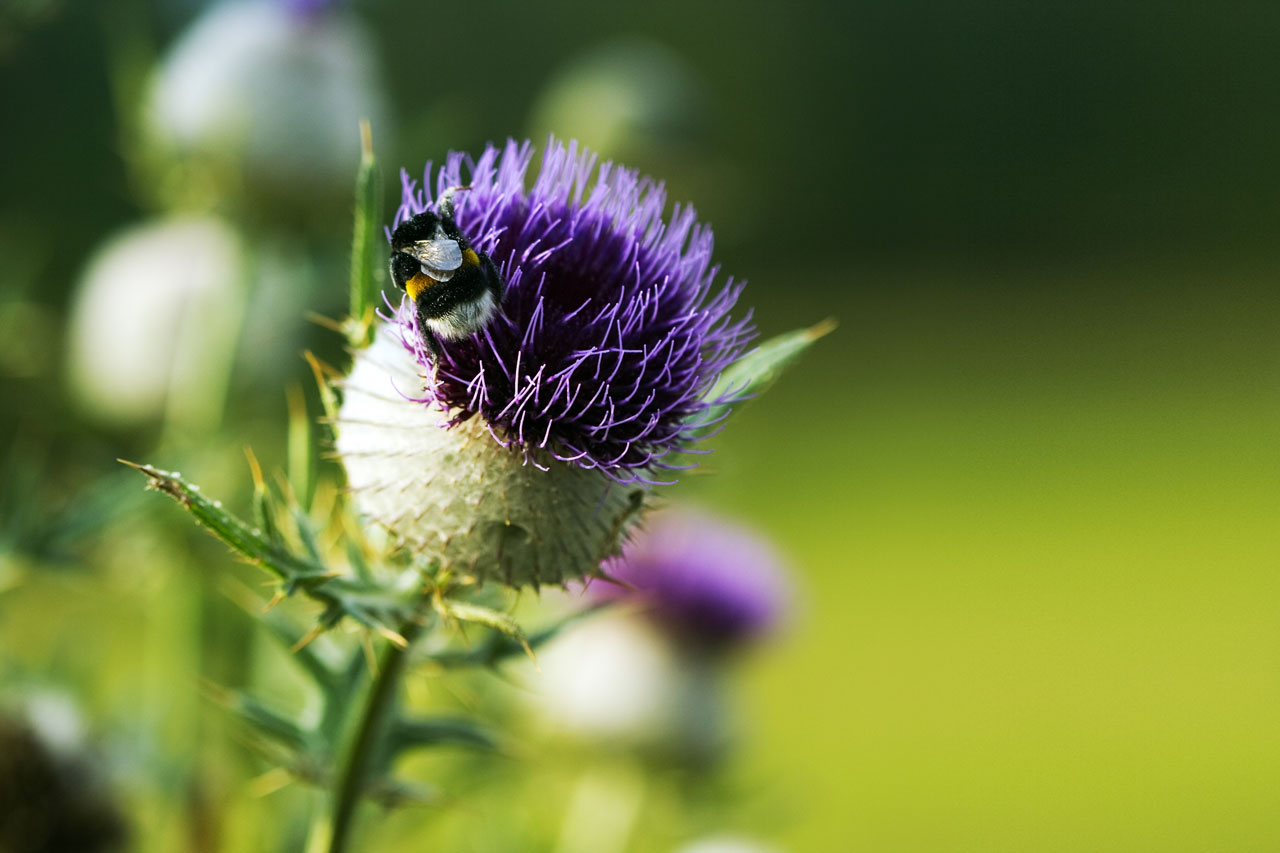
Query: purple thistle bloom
point(310, 9)
point(609, 335)
point(712, 584)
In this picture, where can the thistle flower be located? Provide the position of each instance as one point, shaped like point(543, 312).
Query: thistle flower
point(521, 452)
point(712, 585)
point(310, 9)
point(611, 335)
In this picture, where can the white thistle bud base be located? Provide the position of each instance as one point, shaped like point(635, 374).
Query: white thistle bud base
point(457, 496)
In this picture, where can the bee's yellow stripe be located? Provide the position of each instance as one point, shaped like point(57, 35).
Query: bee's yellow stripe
point(470, 258)
point(417, 284)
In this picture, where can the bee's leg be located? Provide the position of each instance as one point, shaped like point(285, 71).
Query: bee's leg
point(495, 278)
point(430, 341)
point(425, 333)
point(432, 344)
point(444, 204)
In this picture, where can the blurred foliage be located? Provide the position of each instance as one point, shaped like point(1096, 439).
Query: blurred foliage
point(1030, 486)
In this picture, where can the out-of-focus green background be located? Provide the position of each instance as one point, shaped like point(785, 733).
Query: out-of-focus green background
point(1029, 488)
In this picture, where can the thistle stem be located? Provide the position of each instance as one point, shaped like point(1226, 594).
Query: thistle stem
point(373, 723)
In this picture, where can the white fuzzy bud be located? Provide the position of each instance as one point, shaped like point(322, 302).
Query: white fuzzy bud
point(154, 321)
point(457, 496)
point(615, 680)
point(254, 82)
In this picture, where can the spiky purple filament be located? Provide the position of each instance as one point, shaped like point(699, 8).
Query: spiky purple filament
point(610, 335)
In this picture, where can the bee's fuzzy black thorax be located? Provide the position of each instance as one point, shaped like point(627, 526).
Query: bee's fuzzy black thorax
point(449, 303)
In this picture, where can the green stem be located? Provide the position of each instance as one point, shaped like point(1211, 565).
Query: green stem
point(373, 724)
point(366, 244)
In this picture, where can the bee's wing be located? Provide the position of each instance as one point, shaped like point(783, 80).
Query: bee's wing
point(439, 255)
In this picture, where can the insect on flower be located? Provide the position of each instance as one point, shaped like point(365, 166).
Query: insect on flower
point(455, 289)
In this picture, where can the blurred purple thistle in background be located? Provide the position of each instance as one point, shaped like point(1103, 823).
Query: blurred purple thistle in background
point(309, 9)
point(712, 585)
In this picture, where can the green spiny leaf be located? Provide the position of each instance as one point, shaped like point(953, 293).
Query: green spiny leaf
point(262, 719)
point(752, 374)
point(374, 606)
point(336, 707)
point(249, 543)
point(368, 603)
point(424, 732)
point(286, 632)
point(392, 793)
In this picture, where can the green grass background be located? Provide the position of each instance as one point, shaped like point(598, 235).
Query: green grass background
point(1037, 539)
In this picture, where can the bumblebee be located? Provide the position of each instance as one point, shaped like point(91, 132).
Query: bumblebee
point(455, 289)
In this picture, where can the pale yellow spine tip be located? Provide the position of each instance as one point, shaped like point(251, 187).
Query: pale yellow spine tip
point(366, 140)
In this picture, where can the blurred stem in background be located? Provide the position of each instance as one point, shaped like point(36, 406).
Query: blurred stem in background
point(370, 733)
point(607, 801)
point(366, 247)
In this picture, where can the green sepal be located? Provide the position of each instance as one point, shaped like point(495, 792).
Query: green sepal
point(306, 532)
point(302, 467)
point(503, 623)
point(264, 505)
point(356, 557)
point(498, 647)
point(752, 374)
point(324, 376)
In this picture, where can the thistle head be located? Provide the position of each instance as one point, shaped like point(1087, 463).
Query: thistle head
point(611, 331)
point(522, 450)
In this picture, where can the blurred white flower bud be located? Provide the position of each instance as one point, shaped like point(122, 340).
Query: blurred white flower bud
point(277, 90)
point(154, 323)
point(624, 97)
point(55, 718)
point(617, 681)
